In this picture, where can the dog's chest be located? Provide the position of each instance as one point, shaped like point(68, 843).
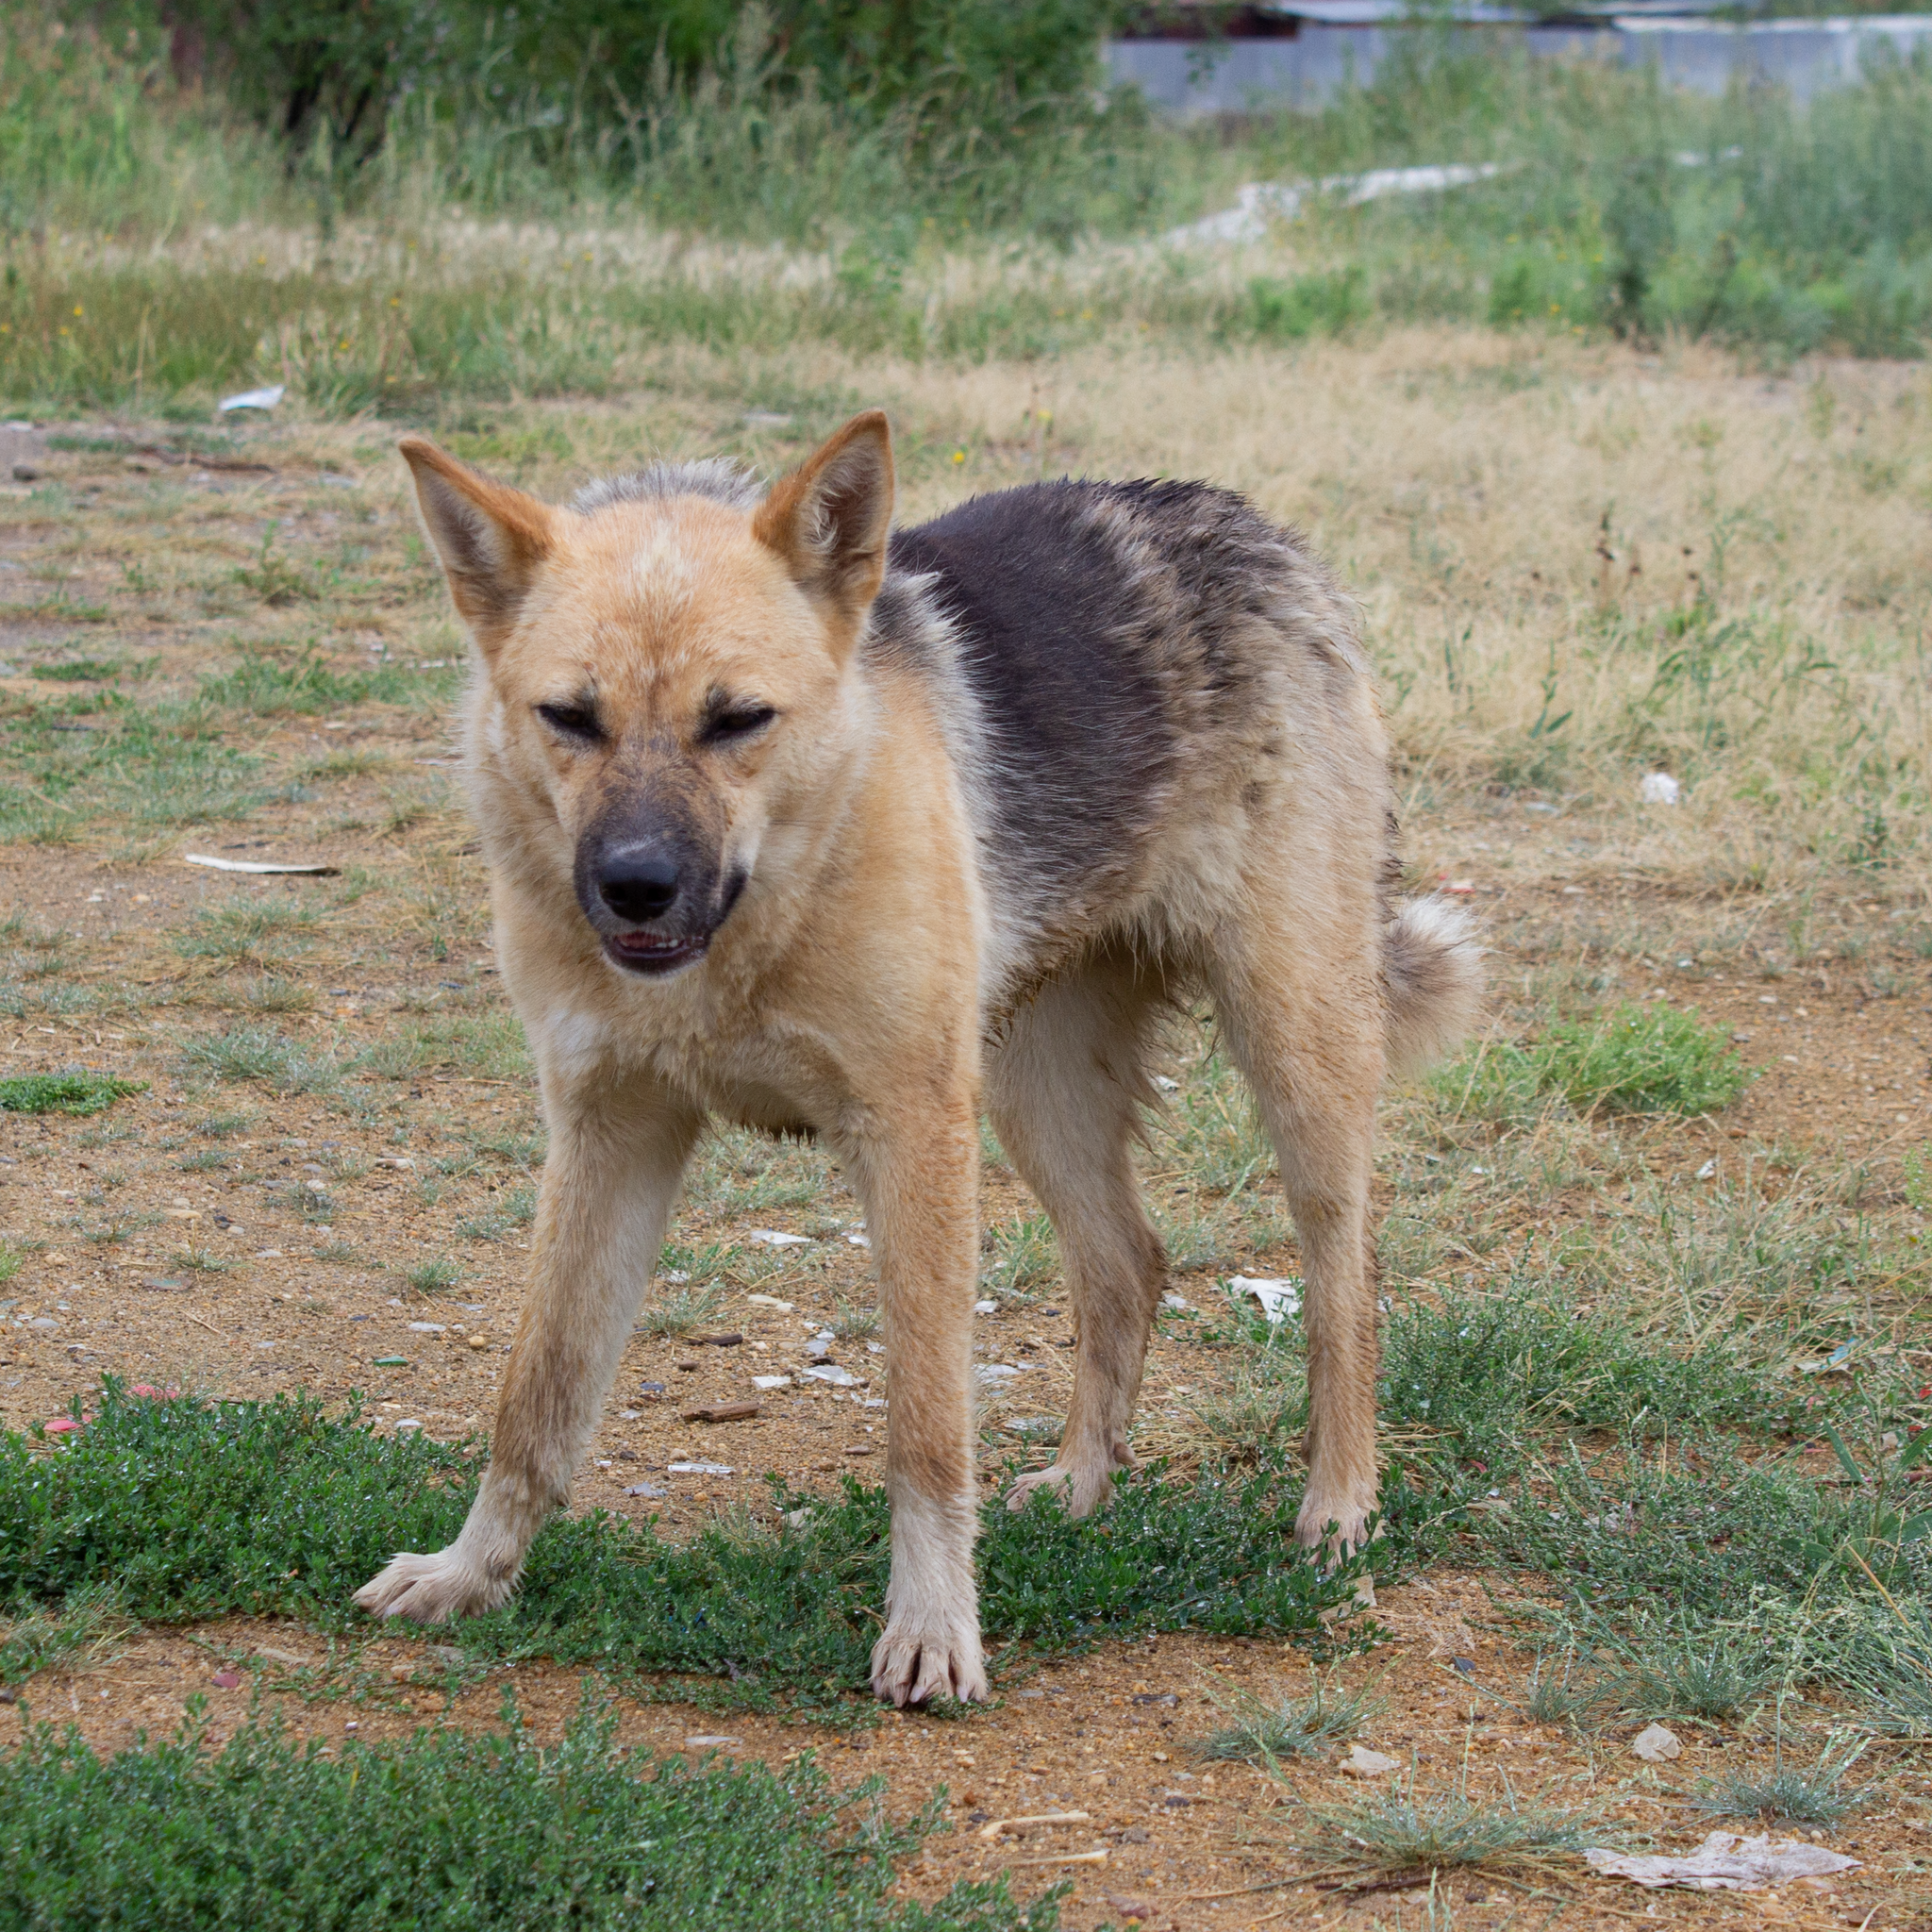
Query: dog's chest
point(754, 1080)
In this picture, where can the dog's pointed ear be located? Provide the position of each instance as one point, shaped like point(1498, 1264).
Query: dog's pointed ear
point(491, 538)
point(830, 518)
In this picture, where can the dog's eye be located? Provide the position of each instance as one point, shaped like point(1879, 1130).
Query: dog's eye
point(574, 721)
point(737, 721)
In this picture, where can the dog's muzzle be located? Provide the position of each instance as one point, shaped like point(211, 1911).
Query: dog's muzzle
point(656, 908)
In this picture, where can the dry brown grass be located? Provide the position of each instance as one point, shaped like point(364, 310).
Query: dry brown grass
point(1717, 573)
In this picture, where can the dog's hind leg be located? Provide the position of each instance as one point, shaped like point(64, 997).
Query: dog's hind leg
point(1062, 1088)
point(1299, 1004)
point(615, 1160)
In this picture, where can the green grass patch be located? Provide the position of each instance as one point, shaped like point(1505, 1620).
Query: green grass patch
point(261, 1054)
point(1492, 1370)
point(195, 1510)
point(81, 671)
point(1262, 1730)
point(1636, 1058)
point(443, 1831)
point(243, 930)
point(1649, 1058)
point(1814, 1793)
point(1401, 1830)
point(1622, 1532)
point(270, 679)
point(67, 765)
point(70, 1093)
point(434, 1276)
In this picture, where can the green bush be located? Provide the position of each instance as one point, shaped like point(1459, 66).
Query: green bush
point(340, 66)
point(444, 1832)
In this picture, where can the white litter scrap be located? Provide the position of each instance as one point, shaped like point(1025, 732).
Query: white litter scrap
point(1278, 1299)
point(772, 1239)
point(993, 1371)
point(771, 1381)
point(1257, 203)
point(260, 865)
point(701, 1469)
point(253, 399)
point(1659, 787)
point(1725, 1862)
point(832, 1375)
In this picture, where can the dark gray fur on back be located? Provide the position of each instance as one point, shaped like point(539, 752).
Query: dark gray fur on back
point(1105, 633)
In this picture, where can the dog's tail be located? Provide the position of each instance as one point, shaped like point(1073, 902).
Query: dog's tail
point(1432, 971)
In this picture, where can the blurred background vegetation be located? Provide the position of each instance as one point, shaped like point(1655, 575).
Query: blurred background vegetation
point(929, 177)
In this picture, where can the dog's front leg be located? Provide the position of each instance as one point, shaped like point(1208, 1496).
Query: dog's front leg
point(609, 1179)
point(918, 1175)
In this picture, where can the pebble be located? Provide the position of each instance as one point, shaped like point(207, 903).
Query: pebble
point(1654, 1745)
point(1362, 1762)
point(227, 1680)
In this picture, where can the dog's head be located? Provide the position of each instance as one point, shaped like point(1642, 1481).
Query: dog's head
point(668, 667)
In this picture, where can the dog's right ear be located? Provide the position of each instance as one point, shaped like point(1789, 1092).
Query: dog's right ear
point(491, 538)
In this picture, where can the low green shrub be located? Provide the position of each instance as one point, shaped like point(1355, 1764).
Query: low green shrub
point(69, 1093)
point(446, 1832)
point(193, 1511)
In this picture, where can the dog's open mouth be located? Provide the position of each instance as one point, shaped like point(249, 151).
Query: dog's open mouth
point(644, 952)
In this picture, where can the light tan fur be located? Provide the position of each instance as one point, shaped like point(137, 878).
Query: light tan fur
point(850, 992)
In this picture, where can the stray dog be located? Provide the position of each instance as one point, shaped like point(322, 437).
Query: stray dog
point(824, 827)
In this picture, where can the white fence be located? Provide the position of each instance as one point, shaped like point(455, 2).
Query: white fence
point(1194, 77)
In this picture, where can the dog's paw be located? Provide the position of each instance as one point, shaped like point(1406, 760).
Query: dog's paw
point(1349, 1534)
point(911, 1664)
point(431, 1589)
point(1082, 1486)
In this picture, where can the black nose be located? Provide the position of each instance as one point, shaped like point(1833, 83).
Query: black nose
point(639, 886)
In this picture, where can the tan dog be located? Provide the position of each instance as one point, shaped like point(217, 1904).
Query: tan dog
point(810, 824)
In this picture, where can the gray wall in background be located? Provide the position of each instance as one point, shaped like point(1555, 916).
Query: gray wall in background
point(1196, 78)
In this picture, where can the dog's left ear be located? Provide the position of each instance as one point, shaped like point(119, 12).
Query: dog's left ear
point(830, 518)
